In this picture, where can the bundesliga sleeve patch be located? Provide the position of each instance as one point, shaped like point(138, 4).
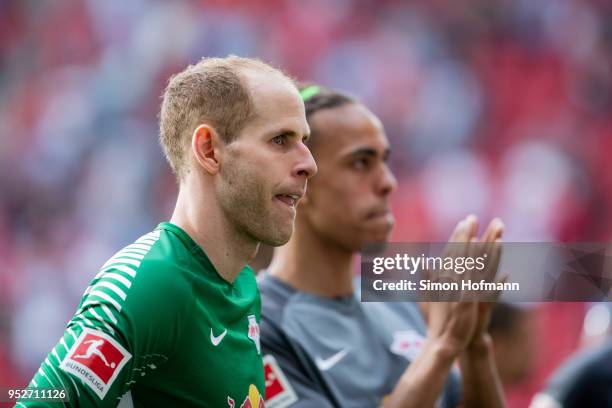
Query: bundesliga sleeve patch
point(96, 358)
point(279, 393)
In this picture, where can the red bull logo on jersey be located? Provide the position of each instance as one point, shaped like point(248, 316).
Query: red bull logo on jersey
point(254, 399)
point(96, 358)
point(254, 332)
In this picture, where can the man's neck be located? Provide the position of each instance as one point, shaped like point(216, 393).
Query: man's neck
point(312, 265)
point(206, 224)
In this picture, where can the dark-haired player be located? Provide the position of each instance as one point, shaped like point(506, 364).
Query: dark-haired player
point(323, 348)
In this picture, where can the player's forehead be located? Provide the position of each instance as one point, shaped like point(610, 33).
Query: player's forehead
point(349, 128)
point(276, 102)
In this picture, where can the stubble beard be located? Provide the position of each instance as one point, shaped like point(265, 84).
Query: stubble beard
point(247, 206)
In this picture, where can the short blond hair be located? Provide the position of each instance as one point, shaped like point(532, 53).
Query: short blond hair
point(212, 91)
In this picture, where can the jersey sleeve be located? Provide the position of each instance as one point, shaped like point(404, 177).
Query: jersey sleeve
point(128, 325)
point(292, 379)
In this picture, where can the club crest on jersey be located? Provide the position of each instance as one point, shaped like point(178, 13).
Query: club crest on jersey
point(279, 393)
point(407, 343)
point(96, 359)
point(254, 332)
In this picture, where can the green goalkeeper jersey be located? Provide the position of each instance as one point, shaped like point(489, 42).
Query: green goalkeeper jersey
point(159, 327)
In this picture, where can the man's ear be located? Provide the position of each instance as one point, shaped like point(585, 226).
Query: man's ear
point(204, 142)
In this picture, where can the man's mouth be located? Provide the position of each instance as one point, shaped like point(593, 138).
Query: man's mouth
point(289, 199)
point(383, 212)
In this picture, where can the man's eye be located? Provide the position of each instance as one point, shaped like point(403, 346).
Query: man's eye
point(279, 140)
point(361, 164)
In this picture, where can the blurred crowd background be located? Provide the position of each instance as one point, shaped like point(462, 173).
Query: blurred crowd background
point(498, 108)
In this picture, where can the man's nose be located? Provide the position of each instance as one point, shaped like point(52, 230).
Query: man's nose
point(387, 182)
point(306, 165)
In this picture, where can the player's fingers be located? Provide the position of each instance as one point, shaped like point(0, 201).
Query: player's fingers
point(494, 230)
point(473, 227)
point(470, 228)
point(473, 252)
point(465, 229)
point(450, 250)
point(458, 231)
point(493, 251)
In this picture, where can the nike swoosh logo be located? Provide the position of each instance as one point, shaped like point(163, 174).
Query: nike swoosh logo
point(216, 340)
point(326, 364)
